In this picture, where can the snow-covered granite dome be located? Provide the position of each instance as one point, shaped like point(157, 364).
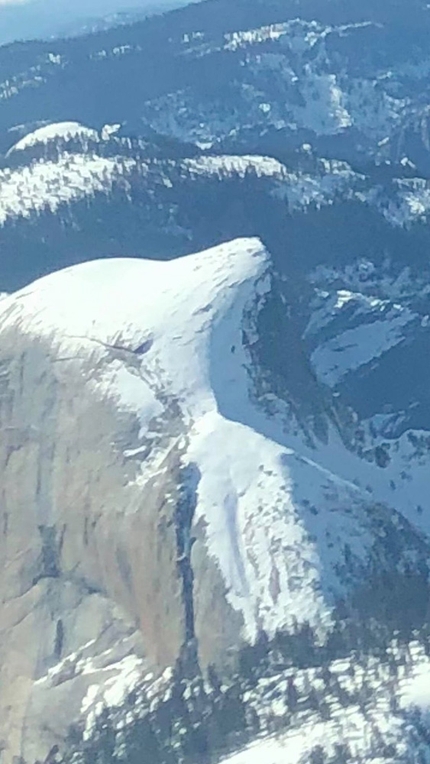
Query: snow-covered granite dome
point(136, 404)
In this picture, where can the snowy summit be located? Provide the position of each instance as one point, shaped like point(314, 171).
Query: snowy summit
point(61, 130)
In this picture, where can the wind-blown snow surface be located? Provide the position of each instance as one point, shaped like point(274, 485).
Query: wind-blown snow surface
point(283, 560)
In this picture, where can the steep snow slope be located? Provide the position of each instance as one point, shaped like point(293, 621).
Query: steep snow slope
point(288, 538)
point(285, 561)
point(252, 421)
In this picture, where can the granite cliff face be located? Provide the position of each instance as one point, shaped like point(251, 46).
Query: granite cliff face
point(81, 551)
point(157, 517)
point(214, 467)
point(93, 588)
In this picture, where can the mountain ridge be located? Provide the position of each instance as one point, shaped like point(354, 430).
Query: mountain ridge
point(215, 466)
point(222, 475)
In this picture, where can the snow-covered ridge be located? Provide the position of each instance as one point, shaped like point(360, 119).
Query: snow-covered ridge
point(226, 164)
point(283, 561)
point(299, 189)
point(297, 34)
point(49, 184)
point(60, 130)
point(50, 303)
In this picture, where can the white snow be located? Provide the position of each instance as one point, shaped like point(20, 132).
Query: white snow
point(294, 747)
point(226, 164)
point(287, 77)
point(325, 109)
point(359, 728)
point(278, 516)
point(359, 720)
point(359, 346)
point(416, 690)
point(48, 184)
point(235, 40)
point(281, 559)
point(411, 201)
point(64, 130)
point(353, 328)
point(132, 394)
point(109, 130)
point(112, 692)
point(278, 557)
point(298, 188)
point(361, 293)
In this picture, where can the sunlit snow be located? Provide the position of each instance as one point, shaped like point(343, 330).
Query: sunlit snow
point(281, 560)
point(60, 130)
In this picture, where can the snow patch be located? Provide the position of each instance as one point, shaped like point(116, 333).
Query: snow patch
point(416, 691)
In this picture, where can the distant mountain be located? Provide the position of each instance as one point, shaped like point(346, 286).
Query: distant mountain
point(36, 19)
point(214, 399)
